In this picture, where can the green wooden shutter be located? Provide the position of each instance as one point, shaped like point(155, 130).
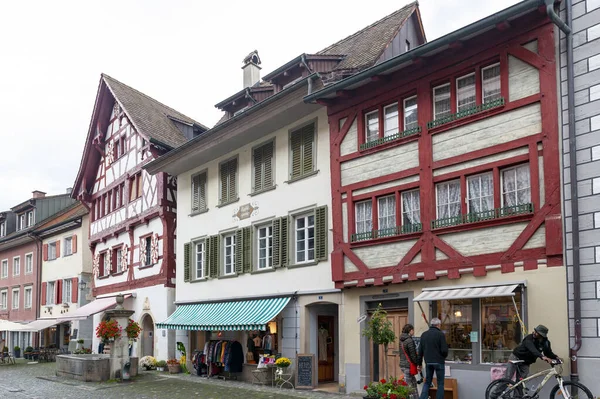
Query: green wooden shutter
point(321, 233)
point(268, 180)
point(276, 225)
point(247, 250)
point(186, 261)
point(296, 155)
point(308, 142)
point(195, 193)
point(224, 180)
point(202, 205)
point(239, 251)
point(284, 241)
point(232, 180)
point(213, 256)
point(205, 270)
point(258, 169)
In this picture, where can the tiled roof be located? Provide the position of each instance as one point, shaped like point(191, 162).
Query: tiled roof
point(148, 115)
point(363, 48)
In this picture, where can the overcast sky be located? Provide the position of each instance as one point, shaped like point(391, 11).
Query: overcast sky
point(186, 54)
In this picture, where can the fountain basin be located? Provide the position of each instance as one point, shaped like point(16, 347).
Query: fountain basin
point(89, 368)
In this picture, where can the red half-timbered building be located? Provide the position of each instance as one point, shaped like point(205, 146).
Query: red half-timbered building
point(132, 213)
point(446, 194)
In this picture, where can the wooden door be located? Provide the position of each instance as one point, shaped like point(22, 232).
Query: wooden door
point(326, 347)
point(398, 318)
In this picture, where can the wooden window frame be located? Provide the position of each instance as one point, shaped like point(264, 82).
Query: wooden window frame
point(51, 293)
point(30, 256)
point(401, 196)
point(195, 244)
point(403, 111)
point(258, 239)
point(3, 267)
point(461, 201)
point(467, 198)
point(65, 282)
point(366, 123)
point(514, 167)
point(3, 296)
point(450, 99)
point(25, 290)
point(482, 70)
point(30, 218)
point(295, 218)
point(233, 246)
point(19, 262)
point(468, 75)
point(384, 119)
point(12, 305)
point(148, 254)
point(393, 196)
point(50, 245)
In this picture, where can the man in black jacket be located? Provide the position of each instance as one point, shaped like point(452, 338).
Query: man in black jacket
point(533, 347)
point(434, 350)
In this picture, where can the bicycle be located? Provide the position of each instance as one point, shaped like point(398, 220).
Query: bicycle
point(506, 388)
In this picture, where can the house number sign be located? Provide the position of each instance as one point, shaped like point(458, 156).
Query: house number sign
point(245, 211)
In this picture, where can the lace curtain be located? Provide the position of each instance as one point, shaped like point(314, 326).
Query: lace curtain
point(448, 199)
point(372, 126)
point(364, 217)
point(411, 208)
point(410, 113)
point(516, 187)
point(387, 212)
point(390, 123)
point(441, 101)
point(481, 193)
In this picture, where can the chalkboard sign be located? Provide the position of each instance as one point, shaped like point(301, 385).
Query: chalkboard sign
point(306, 372)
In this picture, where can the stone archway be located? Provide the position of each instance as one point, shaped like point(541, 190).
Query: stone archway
point(147, 336)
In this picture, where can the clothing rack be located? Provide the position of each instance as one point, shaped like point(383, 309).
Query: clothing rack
point(223, 359)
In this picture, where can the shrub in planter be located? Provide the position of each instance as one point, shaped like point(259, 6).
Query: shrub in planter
point(28, 351)
point(148, 362)
point(17, 351)
point(174, 366)
point(160, 365)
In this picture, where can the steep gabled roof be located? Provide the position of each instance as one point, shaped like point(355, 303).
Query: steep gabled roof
point(150, 117)
point(363, 48)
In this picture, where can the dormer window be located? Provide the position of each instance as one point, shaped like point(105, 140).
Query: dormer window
point(2, 229)
point(22, 220)
point(30, 221)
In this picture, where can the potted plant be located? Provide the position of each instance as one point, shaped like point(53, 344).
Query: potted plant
point(160, 365)
point(182, 360)
point(28, 352)
point(108, 330)
point(380, 331)
point(174, 366)
point(133, 331)
point(17, 351)
point(79, 344)
point(390, 389)
point(148, 362)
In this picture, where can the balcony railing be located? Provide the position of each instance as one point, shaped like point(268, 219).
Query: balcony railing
point(387, 139)
point(391, 232)
point(491, 214)
point(467, 112)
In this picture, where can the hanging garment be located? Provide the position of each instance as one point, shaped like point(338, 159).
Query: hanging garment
point(268, 342)
point(236, 357)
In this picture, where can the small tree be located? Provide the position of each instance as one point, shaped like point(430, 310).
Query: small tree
point(380, 331)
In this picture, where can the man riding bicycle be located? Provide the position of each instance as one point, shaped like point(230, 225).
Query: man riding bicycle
point(533, 347)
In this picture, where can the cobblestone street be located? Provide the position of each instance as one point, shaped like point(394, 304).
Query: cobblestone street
point(38, 381)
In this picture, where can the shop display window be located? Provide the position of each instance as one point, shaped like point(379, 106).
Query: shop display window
point(500, 328)
point(457, 325)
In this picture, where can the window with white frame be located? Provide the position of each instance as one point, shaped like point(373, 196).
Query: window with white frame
point(372, 126)
point(199, 183)
point(411, 208)
point(15, 298)
point(441, 101)
point(118, 259)
point(106, 263)
point(411, 119)
point(516, 186)
point(465, 92)
point(3, 300)
point(199, 260)
point(2, 229)
point(27, 297)
point(21, 221)
point(30, 219)
point(4, 272)
point(386, 207)
point(390, 121)
point(50, 293)
point(16, 266)
point(229, 254)
point(480, 193)
point(304, 232)
point(490, 78)
point(265, 247)
point(448, 199)
point(28, 263)
point(52, 251)
point(67, 291)
point(364, 217)
point(68, 249)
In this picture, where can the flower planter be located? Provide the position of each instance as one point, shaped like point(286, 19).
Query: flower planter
point(160, 369)
point(174, 368)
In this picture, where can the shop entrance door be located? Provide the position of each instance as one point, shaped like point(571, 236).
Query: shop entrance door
point(326, 345)
point(398, 318)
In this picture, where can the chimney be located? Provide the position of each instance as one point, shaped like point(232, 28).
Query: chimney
point(251, 69)
point(69, 190)
point(38, 194)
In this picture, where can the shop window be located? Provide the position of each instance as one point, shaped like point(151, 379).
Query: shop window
point(490, 77)
point(465, 92)
point(457, 325)
point(372, 123)
point(500, 328)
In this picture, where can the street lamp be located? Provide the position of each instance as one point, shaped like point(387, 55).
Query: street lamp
point(82, 285)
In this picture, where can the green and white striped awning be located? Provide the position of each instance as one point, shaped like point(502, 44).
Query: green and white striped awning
point(225, 316)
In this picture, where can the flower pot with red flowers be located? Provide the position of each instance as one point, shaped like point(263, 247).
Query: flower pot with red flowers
point(174, 366)
point(108, 330)
point(388, 389)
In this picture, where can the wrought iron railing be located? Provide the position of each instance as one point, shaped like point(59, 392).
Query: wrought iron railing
point(390, 232)
point(491, 214)
point(467, 112)
point(387, 139)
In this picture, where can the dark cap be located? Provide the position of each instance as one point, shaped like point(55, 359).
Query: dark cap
point(542, 330)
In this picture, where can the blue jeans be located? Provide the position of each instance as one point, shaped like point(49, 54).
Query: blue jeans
point(439, 374)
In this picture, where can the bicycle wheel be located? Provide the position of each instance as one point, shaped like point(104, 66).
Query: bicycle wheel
point(499, 390)
point(575, 390)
